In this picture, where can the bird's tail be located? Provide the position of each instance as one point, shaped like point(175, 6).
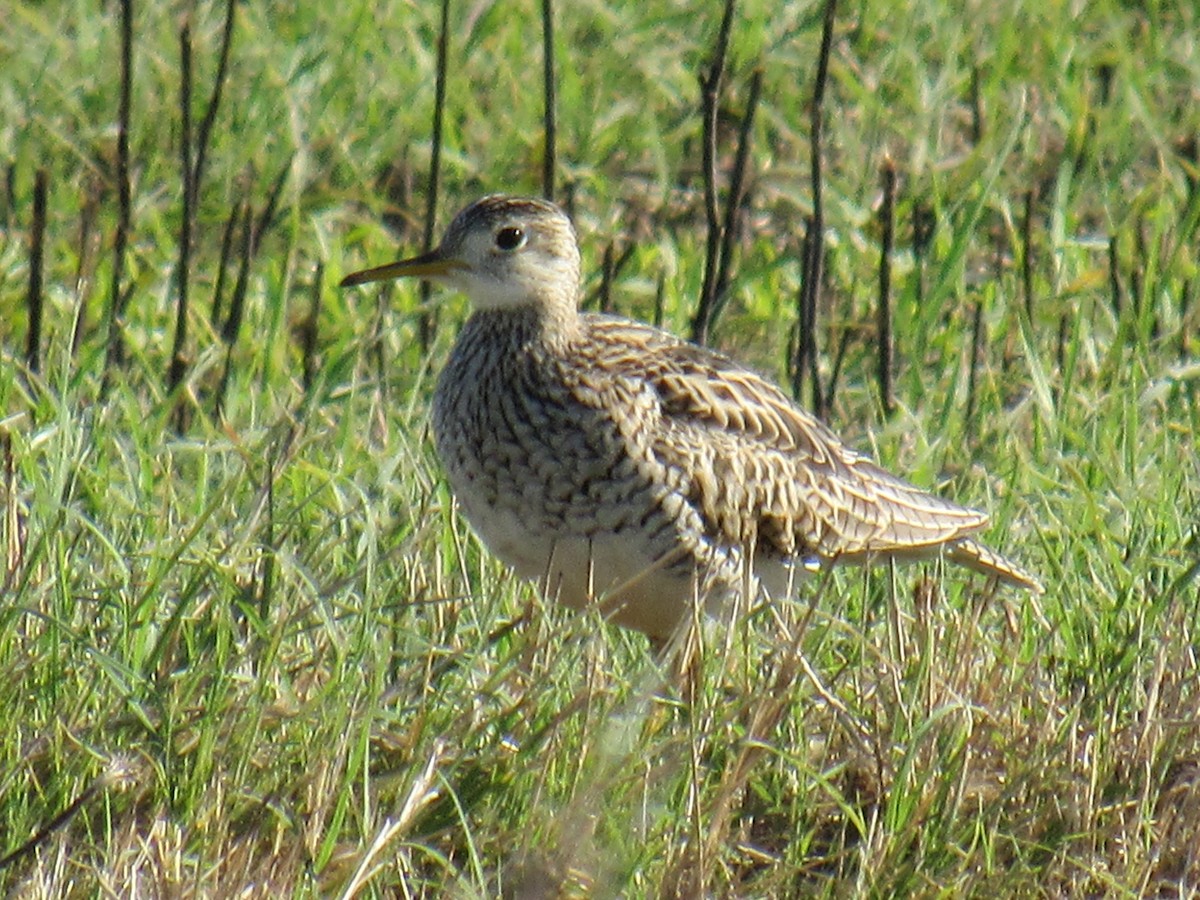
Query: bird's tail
point(974, 555)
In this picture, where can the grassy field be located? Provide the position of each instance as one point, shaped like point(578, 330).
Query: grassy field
point(247, 646)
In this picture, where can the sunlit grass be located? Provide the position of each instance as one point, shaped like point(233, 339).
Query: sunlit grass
point(264, 656)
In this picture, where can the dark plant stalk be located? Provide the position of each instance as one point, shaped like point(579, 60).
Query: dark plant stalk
point(84, 268)
point(72, 809)
point(977, 345)
point(253, 231)
point(178, 363)
point(308, 337)
point(549, 124)
point(1060, 349)
point(237, 306)
point(660, 295)
point(1137, 270)
point(1185, 302)
point(9, 195)
point(214, 101)
point(606, 277)
point(710, 98)
point(237, 303)
point(377, 354)
point(34, 299)
point(114, 354)
point(231, 225)
point(814, 257)
point(428, 320)
point(17, 535)
point(799, 348)
point(887, 215)
point(267, 581)
point(1114, 276)
point(737, 197)
point(1027, 256)
point(267, 216)
point(610, 268)
point(835, 371)
point(976, 108)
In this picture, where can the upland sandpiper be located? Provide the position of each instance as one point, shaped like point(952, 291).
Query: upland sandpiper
point(619, 465)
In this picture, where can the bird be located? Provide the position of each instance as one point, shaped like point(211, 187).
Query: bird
point(624, 468)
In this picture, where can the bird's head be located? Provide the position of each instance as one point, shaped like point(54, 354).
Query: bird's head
point(502, 252)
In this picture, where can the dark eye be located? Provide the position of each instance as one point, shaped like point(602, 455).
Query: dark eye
point(510, 238)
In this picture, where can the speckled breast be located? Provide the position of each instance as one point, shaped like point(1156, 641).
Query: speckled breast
point(550, 483)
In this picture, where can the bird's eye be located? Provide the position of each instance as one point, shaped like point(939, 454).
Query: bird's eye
point(510, 238)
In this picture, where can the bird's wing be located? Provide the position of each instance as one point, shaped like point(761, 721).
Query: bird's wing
point(757, 466)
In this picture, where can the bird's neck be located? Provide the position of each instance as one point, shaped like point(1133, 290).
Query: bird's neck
point(548, 327)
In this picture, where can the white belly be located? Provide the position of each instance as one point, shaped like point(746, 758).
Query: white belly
point(629, 586)
point(618, 574)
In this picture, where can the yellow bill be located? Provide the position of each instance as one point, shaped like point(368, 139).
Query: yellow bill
point(428, 265)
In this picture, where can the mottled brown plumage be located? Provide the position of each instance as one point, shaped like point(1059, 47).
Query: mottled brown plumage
point(617, 464)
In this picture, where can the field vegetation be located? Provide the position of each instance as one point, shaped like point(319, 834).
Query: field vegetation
point(248, 647)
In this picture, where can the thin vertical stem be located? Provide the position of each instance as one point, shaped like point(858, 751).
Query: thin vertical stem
point(710, 96)
point(733, 204)
point(606, 278)
point(660, 296)
point(888, 220)
point(308, 346)
point(1137, 269)
point(85, 266)
point(814, 258)
point(37, 236)
point(237, 305)
point(1060, 348)
point(178, 363)
point(231, 225)
point(977, 345)
point(976, 107)
point(1027, 257)
point(835, 371)
point(1185, 302)
point(266, 584)
point(214, 101)
point(272, 205)
point(428, 321)
point(14, 534)
point(550, 127)
point(7, 209)
point(115, 349)
point(1114, 276)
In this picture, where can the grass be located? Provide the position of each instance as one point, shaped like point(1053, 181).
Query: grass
point(262, 655)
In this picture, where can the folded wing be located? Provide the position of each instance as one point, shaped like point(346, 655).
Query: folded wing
point(760, 468)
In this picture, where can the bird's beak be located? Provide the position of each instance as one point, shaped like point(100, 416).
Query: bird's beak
point(433, 264)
